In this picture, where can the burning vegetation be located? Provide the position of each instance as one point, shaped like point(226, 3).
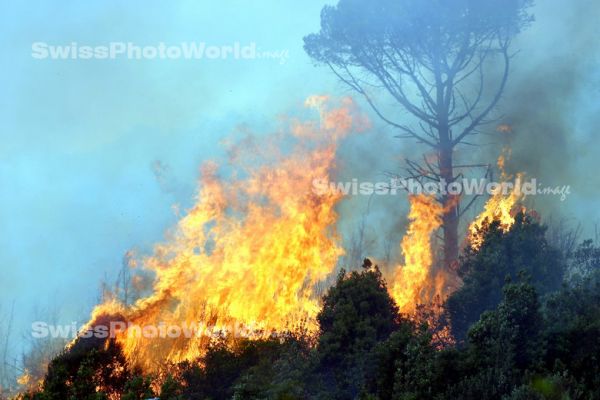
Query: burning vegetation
point(251, 253)
point(254, 253)
point(501, 207)
point(248, 296)
point(252, 257)
point(248, 270)
point(412, 283)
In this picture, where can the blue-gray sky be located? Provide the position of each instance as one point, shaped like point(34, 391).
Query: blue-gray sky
point(79, 138)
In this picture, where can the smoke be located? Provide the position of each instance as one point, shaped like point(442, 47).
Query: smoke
point(550, 103)
point(548, 113)
point(550, 107)
point(372, 225)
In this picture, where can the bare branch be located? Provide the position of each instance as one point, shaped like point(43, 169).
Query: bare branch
point(468, 130)
point(354, 84)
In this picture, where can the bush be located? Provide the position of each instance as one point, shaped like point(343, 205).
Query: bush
point(502, 255)
point(357, 314)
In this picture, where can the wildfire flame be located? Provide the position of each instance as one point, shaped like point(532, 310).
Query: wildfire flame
point(500, 207)
point(411, 280)
point(251, 252)
point(255, 250)
point(504, 128)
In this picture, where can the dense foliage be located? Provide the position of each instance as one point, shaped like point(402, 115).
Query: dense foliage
point(532, 331)
point(502, 256)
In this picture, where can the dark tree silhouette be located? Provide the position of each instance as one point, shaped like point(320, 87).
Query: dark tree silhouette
point(503, 254)
point(446, 62)
point(357, 313)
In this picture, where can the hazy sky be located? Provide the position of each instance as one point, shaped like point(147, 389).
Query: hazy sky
point(81, 139)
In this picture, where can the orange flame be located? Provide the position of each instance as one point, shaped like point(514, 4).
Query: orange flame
point(250, 253)
point(411, 280)
point(250, 256)
point(499, 207)
point(504, 128)
point(28, 381)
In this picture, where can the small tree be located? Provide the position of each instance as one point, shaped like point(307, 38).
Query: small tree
point(572, 317)
point(501, 255)
point(86, 371)
point(358, 313)
point(138, 387)
point(504, 350)
point(404, 364)
point(510, 336)
point(171, 389)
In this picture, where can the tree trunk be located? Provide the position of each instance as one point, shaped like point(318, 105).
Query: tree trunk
point(450, 203)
